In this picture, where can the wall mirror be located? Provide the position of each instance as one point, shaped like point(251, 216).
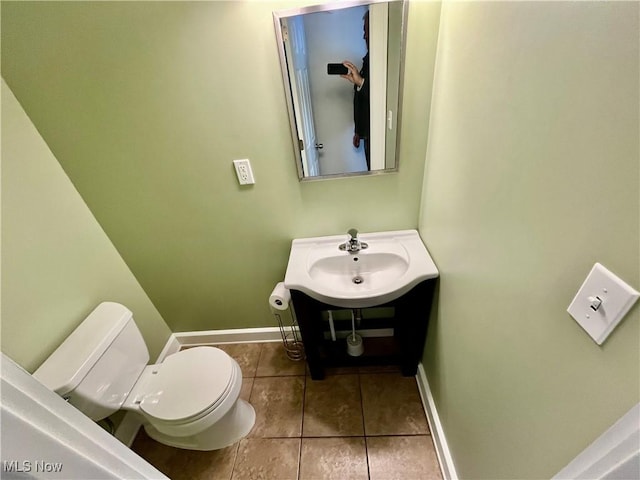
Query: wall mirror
point(324, 106)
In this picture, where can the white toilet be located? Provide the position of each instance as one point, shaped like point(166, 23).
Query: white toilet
point(190, 400)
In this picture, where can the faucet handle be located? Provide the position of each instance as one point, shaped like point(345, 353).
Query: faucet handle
point(353, 232)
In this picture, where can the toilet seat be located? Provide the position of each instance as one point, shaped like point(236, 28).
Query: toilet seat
point(188, 385)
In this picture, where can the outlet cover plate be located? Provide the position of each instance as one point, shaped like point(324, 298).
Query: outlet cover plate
point(244, 171)
point(616, 297)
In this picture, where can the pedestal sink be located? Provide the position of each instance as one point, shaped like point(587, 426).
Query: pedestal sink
point(393, 264)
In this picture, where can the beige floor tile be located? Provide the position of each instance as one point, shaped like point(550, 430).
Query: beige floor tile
point(246, 354)
point(333, 459)
point(332, 407)
point(179, 464)
point(278, 405)
point(330, 371)
point(274, 362)
point(391, 412)
point(402, 458)
point(379, 369)
point(267, 459)
point(391, 405)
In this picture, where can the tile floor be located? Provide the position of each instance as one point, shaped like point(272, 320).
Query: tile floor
point(361, 423)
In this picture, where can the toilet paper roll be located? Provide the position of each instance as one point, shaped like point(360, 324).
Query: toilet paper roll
point(280, 297)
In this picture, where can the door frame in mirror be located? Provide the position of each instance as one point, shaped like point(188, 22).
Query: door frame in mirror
point(278, 17)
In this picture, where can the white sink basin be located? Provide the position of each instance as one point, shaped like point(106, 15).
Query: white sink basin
point(393, 264)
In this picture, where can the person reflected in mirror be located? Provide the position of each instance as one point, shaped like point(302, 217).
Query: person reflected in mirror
point(360, 80)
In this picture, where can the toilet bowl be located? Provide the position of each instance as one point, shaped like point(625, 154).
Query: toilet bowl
point(190, 400)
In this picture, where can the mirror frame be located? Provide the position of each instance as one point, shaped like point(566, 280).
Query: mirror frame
point(332, 6)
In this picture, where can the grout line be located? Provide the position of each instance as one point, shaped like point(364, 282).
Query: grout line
point(253, 381)
point(235, 459)
point(304, 396)
point(364, 432)
point(321, 437)
point(299, 458)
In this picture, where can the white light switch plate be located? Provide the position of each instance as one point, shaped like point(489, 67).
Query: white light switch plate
point(602, 301)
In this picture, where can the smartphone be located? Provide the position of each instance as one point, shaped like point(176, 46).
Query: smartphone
point(336, 69)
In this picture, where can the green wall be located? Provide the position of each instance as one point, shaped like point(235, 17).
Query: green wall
point(57, 263)
point(146, 104)
point(532, 176)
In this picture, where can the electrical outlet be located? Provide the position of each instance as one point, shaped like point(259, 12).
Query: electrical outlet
point(244, 172)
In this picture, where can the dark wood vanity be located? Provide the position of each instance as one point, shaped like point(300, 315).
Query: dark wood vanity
point(404, 348)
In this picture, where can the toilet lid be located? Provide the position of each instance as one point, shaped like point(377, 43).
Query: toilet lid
point(187, 383)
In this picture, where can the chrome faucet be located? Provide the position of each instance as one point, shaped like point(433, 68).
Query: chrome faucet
point(353, 245)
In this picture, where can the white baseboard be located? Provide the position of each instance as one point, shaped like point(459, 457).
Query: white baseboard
point(172, 346)
point(236, 335)
point(437, 433)
point(130, 424)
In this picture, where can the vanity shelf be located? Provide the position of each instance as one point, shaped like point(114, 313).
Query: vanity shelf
point(404, 348)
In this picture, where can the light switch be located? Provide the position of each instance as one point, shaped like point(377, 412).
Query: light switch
point(602, 301)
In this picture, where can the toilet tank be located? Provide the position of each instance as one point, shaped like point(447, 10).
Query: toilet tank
point(96, 367)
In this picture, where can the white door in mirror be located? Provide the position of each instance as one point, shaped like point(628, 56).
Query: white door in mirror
point(244, 172)
point(601, 303)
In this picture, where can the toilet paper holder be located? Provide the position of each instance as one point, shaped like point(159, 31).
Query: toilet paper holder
point(279, 300)
point(290, 333)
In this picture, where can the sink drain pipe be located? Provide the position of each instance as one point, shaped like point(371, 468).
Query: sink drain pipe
point(332, 327)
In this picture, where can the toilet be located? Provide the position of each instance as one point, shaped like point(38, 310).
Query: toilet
point(190, 400)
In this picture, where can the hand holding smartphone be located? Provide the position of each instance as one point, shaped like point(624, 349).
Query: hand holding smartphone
point(336, 69)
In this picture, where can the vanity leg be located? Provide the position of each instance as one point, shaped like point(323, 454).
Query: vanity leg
point(316, 370)
point(412, 317)
point(310, 322)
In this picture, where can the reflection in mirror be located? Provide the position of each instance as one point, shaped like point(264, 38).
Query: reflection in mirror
point(343, 124)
